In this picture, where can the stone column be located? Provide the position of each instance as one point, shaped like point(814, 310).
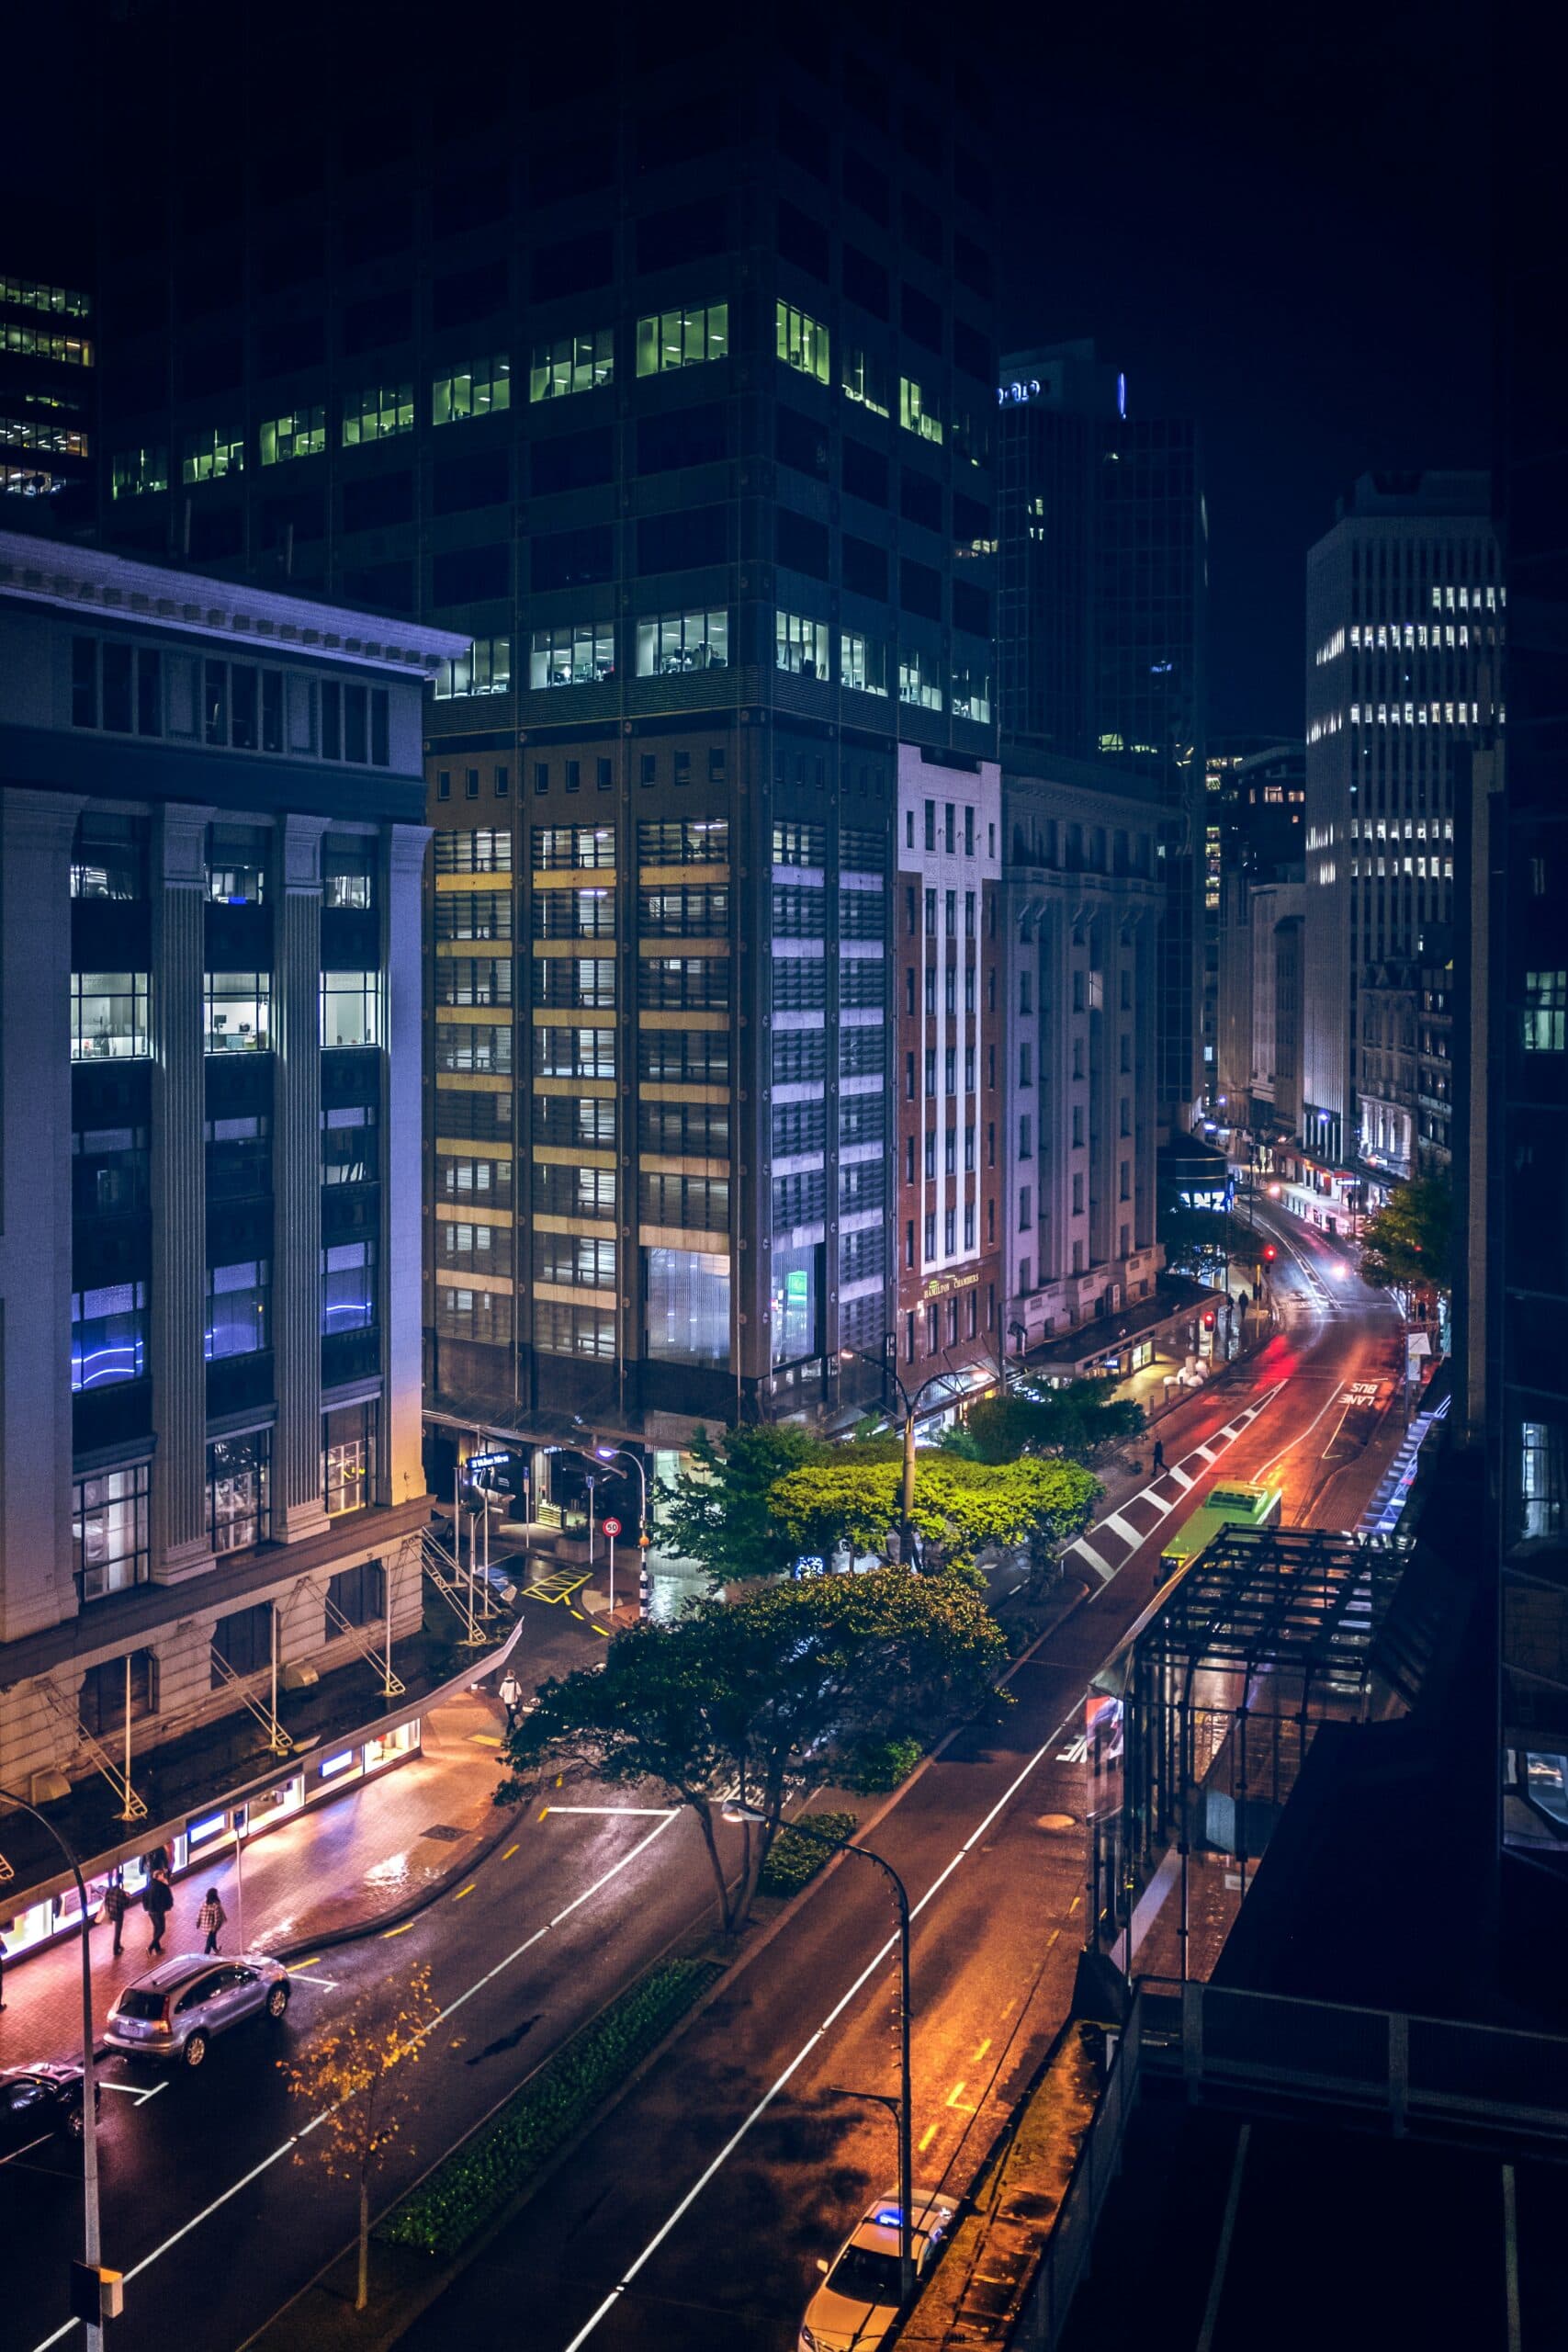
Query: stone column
point(297, 1506)
point(36, 834)
point(400, 1463)
point(180, 1543)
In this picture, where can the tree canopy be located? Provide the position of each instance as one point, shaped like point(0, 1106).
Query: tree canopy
point(1408, 1245)
point(744, 1692)
point(721, 1516)
point(959, 1505)
point(1078, 1420)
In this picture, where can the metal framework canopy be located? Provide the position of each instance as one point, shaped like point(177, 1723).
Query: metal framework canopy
point(1197, 1728)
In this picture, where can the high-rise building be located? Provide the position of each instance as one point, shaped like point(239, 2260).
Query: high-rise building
point(1257, 844)
point(211, 838)
point(1221, 762)
point(1101, 630)
point(46, 395)
point(1405, 619)
point(671, 383)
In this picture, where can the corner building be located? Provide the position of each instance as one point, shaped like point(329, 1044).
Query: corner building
point(211, 838)
point(666, 374)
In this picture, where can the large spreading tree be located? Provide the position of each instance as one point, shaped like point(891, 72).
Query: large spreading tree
point(1080, 1419)
point(960, 1506)
point(1408, 1245)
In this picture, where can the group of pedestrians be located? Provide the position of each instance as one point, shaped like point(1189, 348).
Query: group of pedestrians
point(158, 1902)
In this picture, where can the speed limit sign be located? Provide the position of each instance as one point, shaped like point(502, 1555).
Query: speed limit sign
point(612, 1526)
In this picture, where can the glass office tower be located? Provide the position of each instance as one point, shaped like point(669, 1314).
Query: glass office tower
point(661, 364)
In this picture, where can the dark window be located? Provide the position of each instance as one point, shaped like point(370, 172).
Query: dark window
point(483, 477)
point(800, 442)
point(972, 352)
point(919, 589)
point(865, 471)
point(865, 86)
point(801, 140)
point(866, 568)
point(922, 227)
point(358, 1594)
point(687, 233)
point(103, 1696)
point(389, 587)
point(277, 267)
point(921, 317)
point(304, 514)
point(466, 198)
point(577, 167)
point(605, 774)
point(468, 294)
point(212, 366)
point(216, 532)
point(970, 608)
point(972, 179)
point(384, 227)
point(290, 343)
point(648, 768)
point(679, 542)
point(377, 319)
point(971, 519)
point(802, 239)
point(971, 263)
point(572, 559)
point(865, 281)
point(679, 134)
point(378, 502)
point(573, 266)
point(571, 460)
point(802, 544)
point(865, 185)
point(920, 499)
point(685, 436)
point(468, 575)
point(242, 1641)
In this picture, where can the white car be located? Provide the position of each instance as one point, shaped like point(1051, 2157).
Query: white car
point(857, 2301)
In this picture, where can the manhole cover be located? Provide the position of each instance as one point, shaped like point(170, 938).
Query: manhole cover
point(445, 1832)
point(1058, 1821)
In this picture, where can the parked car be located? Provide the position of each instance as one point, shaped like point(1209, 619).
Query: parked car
point(855, 2306)
point(174, 2010)
point(39, 2102)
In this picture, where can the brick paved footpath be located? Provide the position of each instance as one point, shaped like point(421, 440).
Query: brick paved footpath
point(338, 1865)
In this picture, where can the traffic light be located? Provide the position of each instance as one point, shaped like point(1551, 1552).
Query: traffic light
point(1209, 1319)
point(1269, 1253)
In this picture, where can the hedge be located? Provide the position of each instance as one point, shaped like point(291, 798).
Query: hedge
point(793, 1859)
point(478, 2178)
point(878, 1764)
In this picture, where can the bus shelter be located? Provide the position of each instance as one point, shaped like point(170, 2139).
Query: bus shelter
point(1198, 1725)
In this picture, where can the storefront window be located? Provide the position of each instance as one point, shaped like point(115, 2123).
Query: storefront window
point(108, 1531)
point(795, 1291)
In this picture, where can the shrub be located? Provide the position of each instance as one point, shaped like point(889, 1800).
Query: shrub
point(793, 1859)
point(478, 2179)
point(879, 1764)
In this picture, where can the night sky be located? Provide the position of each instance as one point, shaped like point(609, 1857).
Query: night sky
point(1273, 220)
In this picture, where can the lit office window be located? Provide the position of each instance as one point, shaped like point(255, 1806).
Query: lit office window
point(572, 653)
point(108, 1016)
point(109, 858)
point(863, 662)
point(688, 1306)
point(682, 338)
point(133, 471)
point(237, 1301)
point(302, 432)
point(917, 411)
point(237, 1007)
point(56, 440)
point(1541, 1480)
point(348, 1144)
point(474, 1046)
point(864, 379)
point(574, 1053)
point(573, 362)
point(108, 1531)
point(237, 1481)
point(801, 342)
point(376, 414)
point(109, 1335)
point(485, 669)
point(675, 641)
point(348, 1287)
point(971, 691)
point(474, 391)
point(236, 865)
point(559, 848)
point(483, 1316)
point(800, 645)
point(37, 343)
point(213, 452)
point(1544, 1018)
point(485, 850)
point(351, 1005)
point(28, 294)
point(920, 677)
point(348, 1457)
point(565, 1330)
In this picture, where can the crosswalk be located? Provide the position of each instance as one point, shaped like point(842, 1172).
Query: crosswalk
point(1111, 1543)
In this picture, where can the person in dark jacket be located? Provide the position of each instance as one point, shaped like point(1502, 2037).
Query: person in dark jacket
point(117, 1903)
point(158, 1902)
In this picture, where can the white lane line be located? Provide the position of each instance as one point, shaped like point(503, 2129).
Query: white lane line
point(267, 2162)
point(298, 1976)
point(690, 2198)
point(633, 1812)
point(1304, 1433)
point(1103, 1568)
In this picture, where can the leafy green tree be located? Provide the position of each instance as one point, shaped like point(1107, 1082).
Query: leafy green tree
point(1079, 1419)
point(1202, 1242)
point(1408, 1245)
point(960, 1506)
point(749, 1691)
point(721, 1516)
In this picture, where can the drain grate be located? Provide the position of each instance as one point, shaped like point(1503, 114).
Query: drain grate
point(445, 1832)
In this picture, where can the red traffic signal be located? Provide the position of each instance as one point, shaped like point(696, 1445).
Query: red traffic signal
point(1269, 1250)
point(1209, 1319)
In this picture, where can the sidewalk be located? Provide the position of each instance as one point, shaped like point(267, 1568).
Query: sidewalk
point(338, 1866)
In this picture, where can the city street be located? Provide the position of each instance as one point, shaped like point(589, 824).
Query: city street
point(709, 2193)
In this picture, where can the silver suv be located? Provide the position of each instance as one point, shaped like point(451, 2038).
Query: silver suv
point(174, 2010)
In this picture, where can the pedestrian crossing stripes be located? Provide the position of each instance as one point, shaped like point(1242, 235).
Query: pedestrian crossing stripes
point(1116, 1537)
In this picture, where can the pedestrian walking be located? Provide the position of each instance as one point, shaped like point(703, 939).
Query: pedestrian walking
point(158, 1901)
point(211, 1919)
point(117, 1903)
point(511, 1698)
point(1159, 1454)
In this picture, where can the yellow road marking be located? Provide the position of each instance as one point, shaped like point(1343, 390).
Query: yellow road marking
point(484, 1739)
point(1074, 1905)
point(543, 1810)
point(952, 2101)
point(1052, 1938)
point(982, 2049)
point(510, 1852)
point(927, 2136)
point(397, 1931)
point(599, 1629)
point(464, 1890)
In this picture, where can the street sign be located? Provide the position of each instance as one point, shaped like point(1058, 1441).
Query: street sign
point(486, 1461)
point(611, 1526)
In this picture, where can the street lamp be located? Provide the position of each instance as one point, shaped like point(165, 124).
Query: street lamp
point(901, 2108)
point(89, 2087)
point(910, 1402)
point(624, 1454)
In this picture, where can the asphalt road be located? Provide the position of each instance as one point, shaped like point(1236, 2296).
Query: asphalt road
point(217, 2221)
